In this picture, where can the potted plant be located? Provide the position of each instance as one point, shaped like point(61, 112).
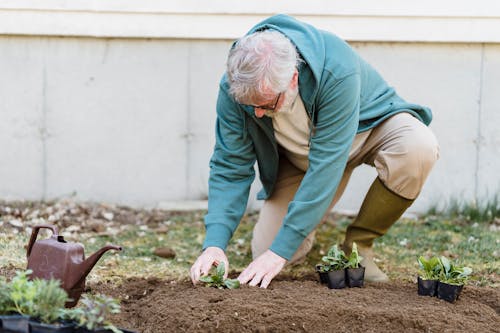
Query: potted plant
point(429, 276)
point(16, 299)
point(6, 304)
point(452, 280)
point(46, 311)
point(217, 280)
point(355, 273)
point(92, 314)
point(335, 261)
point(322, 270)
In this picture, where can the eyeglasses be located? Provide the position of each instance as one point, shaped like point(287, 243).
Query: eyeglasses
point(268, 107)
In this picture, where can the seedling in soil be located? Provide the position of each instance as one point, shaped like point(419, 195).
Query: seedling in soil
point(217, 280)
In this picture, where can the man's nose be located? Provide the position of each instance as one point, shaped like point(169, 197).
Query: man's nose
point(259, 113)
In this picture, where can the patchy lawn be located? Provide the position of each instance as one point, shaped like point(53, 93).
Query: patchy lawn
point(151, 287)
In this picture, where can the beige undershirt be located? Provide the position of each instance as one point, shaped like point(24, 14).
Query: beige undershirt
point(292, 130)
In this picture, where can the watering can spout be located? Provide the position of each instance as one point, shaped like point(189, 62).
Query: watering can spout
point(89, 263)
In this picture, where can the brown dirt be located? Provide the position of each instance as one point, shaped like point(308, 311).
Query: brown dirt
point(155, 305)
point(291, 304)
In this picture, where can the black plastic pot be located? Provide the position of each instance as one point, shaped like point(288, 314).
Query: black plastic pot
point(37, 327)
point(15, 323)
point(449, 292)
point(323, 276)
point(355, 276)
point(427, 287)
point(336, 279)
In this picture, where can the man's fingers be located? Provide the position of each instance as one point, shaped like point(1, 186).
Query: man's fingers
point(205, 267)
point(266, 280)
point(226, 265)
point(195, 273)
point(246, 276)
point(256, 280)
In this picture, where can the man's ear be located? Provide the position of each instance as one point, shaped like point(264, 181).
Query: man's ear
point(295, 78)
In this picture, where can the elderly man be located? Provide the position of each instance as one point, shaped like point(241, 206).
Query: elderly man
point(302, 104)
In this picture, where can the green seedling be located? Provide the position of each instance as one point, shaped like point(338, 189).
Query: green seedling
point(94, 311)
point(323, 268)
point(217, 280)
point(453, 274)
point(6, 304)
point(429, 269)
point(335, 259)
point(354, 258)
point(49, 301)
point(22, 293)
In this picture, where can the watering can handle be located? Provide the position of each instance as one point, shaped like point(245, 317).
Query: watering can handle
point(34, 234)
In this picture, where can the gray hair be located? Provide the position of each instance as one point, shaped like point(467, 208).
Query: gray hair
point(261, 64)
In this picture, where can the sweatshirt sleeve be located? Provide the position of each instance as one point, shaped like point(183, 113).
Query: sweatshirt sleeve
point(337, 122)
point(231, 173)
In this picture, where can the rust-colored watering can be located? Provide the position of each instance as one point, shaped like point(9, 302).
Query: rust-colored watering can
point(57, 259)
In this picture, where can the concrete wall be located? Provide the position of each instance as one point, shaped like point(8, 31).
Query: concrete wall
point(131, 121)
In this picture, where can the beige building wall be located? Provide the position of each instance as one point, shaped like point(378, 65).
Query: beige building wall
point(113, 102)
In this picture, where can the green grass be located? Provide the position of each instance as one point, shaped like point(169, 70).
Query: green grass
point(457, 209)
point(470, 243)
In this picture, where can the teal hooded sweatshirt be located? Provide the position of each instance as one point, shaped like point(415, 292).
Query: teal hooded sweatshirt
point(343, 95)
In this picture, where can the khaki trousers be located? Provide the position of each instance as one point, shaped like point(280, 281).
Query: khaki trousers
point(403, 151)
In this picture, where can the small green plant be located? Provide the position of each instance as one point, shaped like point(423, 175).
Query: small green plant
point(49, 301)
point(94, 311)
point(323, 268)
point(217, 280)
point(354, 258)
point(429, 269)
point(335, 259)
point(6, 304)
point(452, 273)
point(22, 292)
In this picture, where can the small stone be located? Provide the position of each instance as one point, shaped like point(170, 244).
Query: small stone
point(96, 226)
point(161, 229)
point(16, 223)
point(108, 216)
point(164, 252)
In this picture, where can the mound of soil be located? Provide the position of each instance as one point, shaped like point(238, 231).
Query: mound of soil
point(155, 305)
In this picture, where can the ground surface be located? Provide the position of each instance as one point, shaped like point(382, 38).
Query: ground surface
point(157, 297)
point(300, 306)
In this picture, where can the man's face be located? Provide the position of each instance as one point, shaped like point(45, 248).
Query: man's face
point(274, 103)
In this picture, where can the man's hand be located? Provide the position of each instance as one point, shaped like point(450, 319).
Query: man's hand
point(263, 269)
point(211, 256)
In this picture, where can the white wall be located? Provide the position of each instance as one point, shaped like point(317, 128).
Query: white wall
point(130, 120)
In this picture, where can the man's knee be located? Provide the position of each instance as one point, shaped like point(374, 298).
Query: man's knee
point(405, 169)
point(422, 154)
